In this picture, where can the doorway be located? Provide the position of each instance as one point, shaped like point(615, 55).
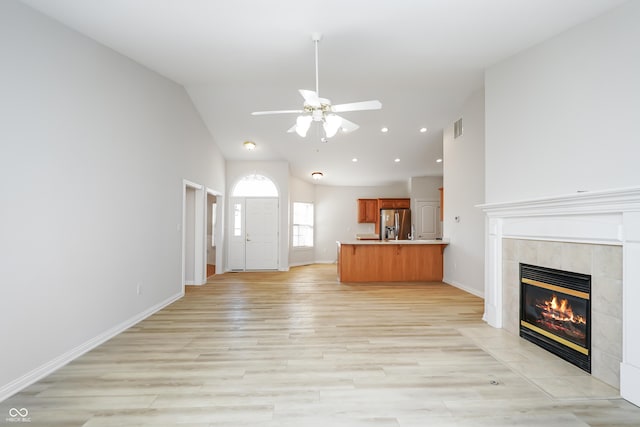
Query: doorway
point(213, 239)
point(253, 226)
point(193, 241)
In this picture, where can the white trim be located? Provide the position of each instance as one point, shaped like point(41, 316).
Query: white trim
point(191, 184)
point(300, 264)
point(462, 287)
point(49, 367)
point(219, 231)
point(199, 234)
point(330, 261)
point(594, 202)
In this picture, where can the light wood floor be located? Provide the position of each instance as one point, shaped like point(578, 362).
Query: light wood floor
point(299, 349)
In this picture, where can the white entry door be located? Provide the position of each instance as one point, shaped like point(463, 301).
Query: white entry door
point(261, 250)
point(427, 220)
point(253, 244)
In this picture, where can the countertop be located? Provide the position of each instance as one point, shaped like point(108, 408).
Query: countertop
point(393, 242)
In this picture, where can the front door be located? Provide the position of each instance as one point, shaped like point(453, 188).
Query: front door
point(261, 250)
point(253, 244)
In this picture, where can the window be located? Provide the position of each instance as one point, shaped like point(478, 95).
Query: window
point(237, 219)
point(302, 225)
point(255, 186)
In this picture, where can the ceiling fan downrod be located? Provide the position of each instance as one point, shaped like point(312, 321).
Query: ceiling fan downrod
point(316, 37)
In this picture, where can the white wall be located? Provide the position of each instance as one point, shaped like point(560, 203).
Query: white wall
point(336, 211)
point(93, 152)
point(300, 191)
point(425, 187)
point(464, 189)
point(562, 116)
point(278, 172)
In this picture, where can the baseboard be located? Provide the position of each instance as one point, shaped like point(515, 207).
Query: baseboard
point(300, 264)
point(331, 261)
point(42, 371)
point(630, 383)
point(479, 294)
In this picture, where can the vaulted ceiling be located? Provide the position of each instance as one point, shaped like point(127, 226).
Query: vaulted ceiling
point(421, 58)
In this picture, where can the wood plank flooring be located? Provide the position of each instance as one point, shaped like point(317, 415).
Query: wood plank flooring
point(299, 349)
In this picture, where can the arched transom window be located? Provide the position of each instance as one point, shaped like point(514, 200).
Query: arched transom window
point(255, 186)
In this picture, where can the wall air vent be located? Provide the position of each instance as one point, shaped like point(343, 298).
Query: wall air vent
point(457, 128)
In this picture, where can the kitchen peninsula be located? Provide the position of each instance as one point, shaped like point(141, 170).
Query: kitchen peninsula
point(390, 261)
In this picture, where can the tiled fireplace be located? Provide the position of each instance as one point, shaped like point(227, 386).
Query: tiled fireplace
point(603, 263)
point(596, 234)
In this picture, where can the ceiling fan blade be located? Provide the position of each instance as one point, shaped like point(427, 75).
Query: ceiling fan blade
point(264, 113)
point(348, 126)
point(292, 129)
point(310, 97)
point(357, 106)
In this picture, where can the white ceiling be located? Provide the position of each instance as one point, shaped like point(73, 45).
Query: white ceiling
point(420, 58)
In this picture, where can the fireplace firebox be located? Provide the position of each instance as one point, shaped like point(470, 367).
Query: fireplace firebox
point(555, 312)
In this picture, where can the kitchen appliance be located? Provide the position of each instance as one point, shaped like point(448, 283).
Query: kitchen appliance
point(395, 224)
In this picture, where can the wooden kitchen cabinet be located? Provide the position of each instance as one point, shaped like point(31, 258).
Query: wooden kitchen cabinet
point(390, 204)
point(394, 203)
point(367, 210)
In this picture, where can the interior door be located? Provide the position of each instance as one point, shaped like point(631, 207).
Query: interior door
point(261, 237)
point(427, 220)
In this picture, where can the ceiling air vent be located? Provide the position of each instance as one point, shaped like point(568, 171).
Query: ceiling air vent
point(457, 128)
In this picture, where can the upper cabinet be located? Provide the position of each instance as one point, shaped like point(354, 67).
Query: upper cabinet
point(367, 210)
point(394, 203)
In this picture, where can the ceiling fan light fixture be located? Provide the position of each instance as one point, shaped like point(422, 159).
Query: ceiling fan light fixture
point(302, 125)
point(317, 175)
point(319, 109)
point(331, 125)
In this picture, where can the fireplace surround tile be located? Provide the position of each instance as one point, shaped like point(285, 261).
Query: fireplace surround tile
point(549, 255)
point(577, 257)
point(607, 262)
point(608, 294)
point(606, 291)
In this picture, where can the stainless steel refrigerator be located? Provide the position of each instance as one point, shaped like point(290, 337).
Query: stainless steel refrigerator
point(395, 224)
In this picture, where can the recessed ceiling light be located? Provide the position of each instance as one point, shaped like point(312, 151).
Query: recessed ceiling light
point(439, 161)
point(354, 160)
point(249, 145)
point(384, 130)
point(317, 175)
point(397, 160)
point(423, 130)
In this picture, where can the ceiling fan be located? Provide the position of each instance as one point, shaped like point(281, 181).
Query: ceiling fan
point(316, 109)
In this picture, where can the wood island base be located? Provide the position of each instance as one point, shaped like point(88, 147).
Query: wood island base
point(390, 262)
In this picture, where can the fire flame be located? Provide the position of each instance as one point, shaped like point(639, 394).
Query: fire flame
point(561, 310)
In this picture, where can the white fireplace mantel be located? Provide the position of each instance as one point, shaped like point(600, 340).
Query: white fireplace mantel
point(600, 217)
